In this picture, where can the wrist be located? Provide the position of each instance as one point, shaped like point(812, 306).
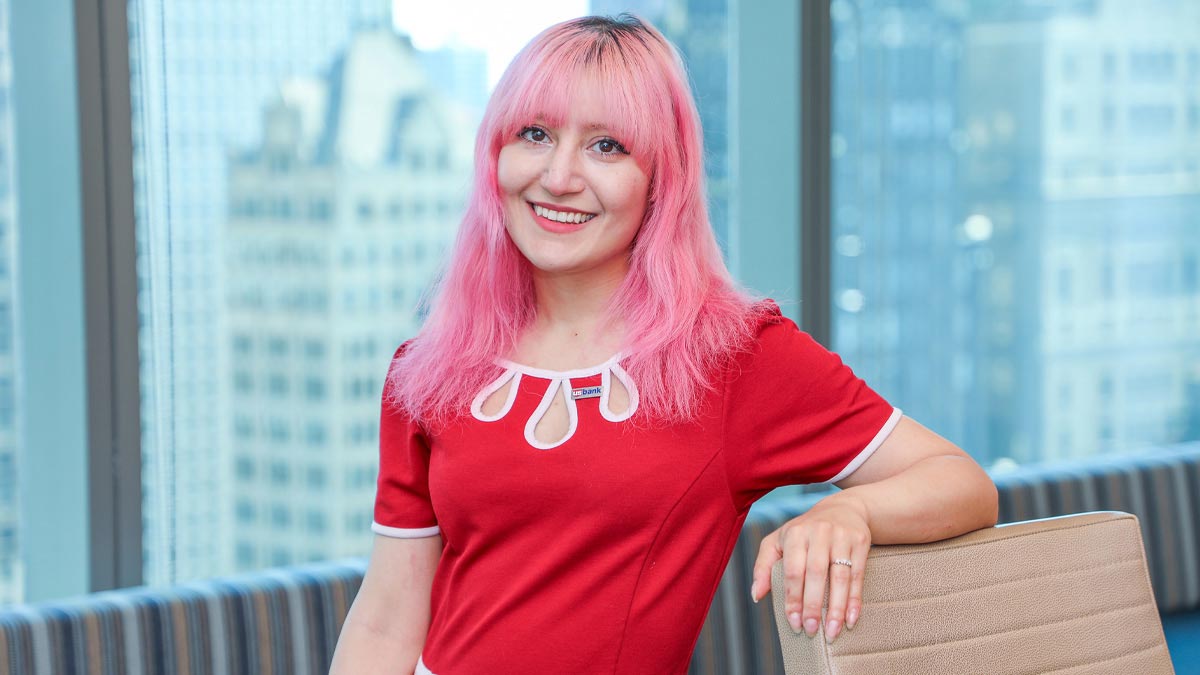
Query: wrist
point(850, 498)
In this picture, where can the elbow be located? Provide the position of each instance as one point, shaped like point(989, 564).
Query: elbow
point(989, 502)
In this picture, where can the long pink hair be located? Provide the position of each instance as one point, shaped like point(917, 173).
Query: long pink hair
point(683, 313)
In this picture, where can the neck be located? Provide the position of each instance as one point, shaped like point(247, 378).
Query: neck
point(571, 306)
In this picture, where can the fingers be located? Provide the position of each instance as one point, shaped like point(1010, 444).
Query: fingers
point(815, 574)
point(839, 588)
point(854, 605)
point(809, 552)
point(768, 552)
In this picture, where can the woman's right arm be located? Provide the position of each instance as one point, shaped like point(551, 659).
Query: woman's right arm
point(386, 626)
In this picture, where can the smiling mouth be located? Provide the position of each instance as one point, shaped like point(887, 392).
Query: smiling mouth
point(565, 217)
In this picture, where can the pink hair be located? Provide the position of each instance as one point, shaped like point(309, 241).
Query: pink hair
point(683, 313)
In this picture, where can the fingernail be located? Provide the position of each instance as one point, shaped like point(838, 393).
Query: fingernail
point(851, 618)
point(810, 627)
point(794, 619)
point(831, 631)
point(754, 591)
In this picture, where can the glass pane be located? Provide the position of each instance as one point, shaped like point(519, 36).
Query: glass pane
point(700, 30)
point(300, 168)
point(1016, 191)
point(11, 580)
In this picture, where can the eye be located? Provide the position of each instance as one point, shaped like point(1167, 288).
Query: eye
point(609, 146)
point(534, 134)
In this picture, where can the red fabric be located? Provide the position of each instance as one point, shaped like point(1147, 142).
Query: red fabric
point(602, 555)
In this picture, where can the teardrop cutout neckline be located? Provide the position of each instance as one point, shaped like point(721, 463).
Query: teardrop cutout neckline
point(559, 385)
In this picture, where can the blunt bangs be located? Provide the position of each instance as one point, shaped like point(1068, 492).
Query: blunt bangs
point(543, 80)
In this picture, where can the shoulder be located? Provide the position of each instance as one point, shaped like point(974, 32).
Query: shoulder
point(774, 332)
point(777, 349)
point(402, 350)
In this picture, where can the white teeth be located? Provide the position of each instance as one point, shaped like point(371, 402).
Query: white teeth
point(563, 216)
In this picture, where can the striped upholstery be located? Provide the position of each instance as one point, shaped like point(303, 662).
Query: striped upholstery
point(272, 623)
point(287, 621)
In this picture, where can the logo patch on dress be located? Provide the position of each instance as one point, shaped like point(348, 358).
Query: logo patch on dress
point(585, 392)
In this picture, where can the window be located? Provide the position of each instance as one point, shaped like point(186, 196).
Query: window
point(242, 344)
point(246, 512)
point(316, 522)
point(277, 384)
point(314, 349)
point(1032, 281)
point(281, 474)
point(281, 516)
point(245, 468)
point(1151, 66)
point(277, 347)
point(948, 210)
point(1151, 119)
point(315, 434)
point(314, 389)
point(253, 266)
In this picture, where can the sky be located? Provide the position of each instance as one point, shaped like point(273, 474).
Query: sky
point(499, 29)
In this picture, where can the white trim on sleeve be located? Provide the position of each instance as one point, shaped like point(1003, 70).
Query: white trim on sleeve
point(405, 532)
point(884, 432)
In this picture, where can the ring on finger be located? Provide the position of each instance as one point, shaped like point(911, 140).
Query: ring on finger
point(842, 561)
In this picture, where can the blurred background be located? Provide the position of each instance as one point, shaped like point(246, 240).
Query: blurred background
point(1010, 251)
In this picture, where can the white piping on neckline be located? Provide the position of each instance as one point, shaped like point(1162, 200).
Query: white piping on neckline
point(560, 382)
point(556, 386)
point(606, 387)
point(477, 404)
point(560, 374)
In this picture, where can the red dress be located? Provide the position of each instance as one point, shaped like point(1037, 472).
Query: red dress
point(601, 553)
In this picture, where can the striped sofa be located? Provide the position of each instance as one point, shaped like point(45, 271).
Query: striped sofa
point(287, 621)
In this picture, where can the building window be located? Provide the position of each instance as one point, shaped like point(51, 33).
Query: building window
point(244, 468)
point(314, 389)
point(1152, 65)
point(281, 517)
point(247, 557)
point(246, 512)
point(315, 434)
point(243, 427)
point(314, 349)
point(277, 347)
point(366, 212)
point(243, 383)
point(281, 474)
point(316, 522)
point(320, 210)
point(280, 432)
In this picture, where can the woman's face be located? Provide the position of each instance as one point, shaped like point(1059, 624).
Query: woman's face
point(574, 196)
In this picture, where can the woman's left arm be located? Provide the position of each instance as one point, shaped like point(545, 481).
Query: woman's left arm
point(916, 487)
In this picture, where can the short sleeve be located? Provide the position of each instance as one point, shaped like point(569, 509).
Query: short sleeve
point(795, 414)
point(402, 505)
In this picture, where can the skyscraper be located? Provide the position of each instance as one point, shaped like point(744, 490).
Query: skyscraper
point(338, 221)
point(1015, 185)
point(201, 74)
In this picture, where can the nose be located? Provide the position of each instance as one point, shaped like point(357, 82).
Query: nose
point(561, 173)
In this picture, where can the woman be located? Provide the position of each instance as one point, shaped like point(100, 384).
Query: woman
point(540, 513)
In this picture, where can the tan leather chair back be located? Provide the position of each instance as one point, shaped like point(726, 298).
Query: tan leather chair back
point(1068, 595)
